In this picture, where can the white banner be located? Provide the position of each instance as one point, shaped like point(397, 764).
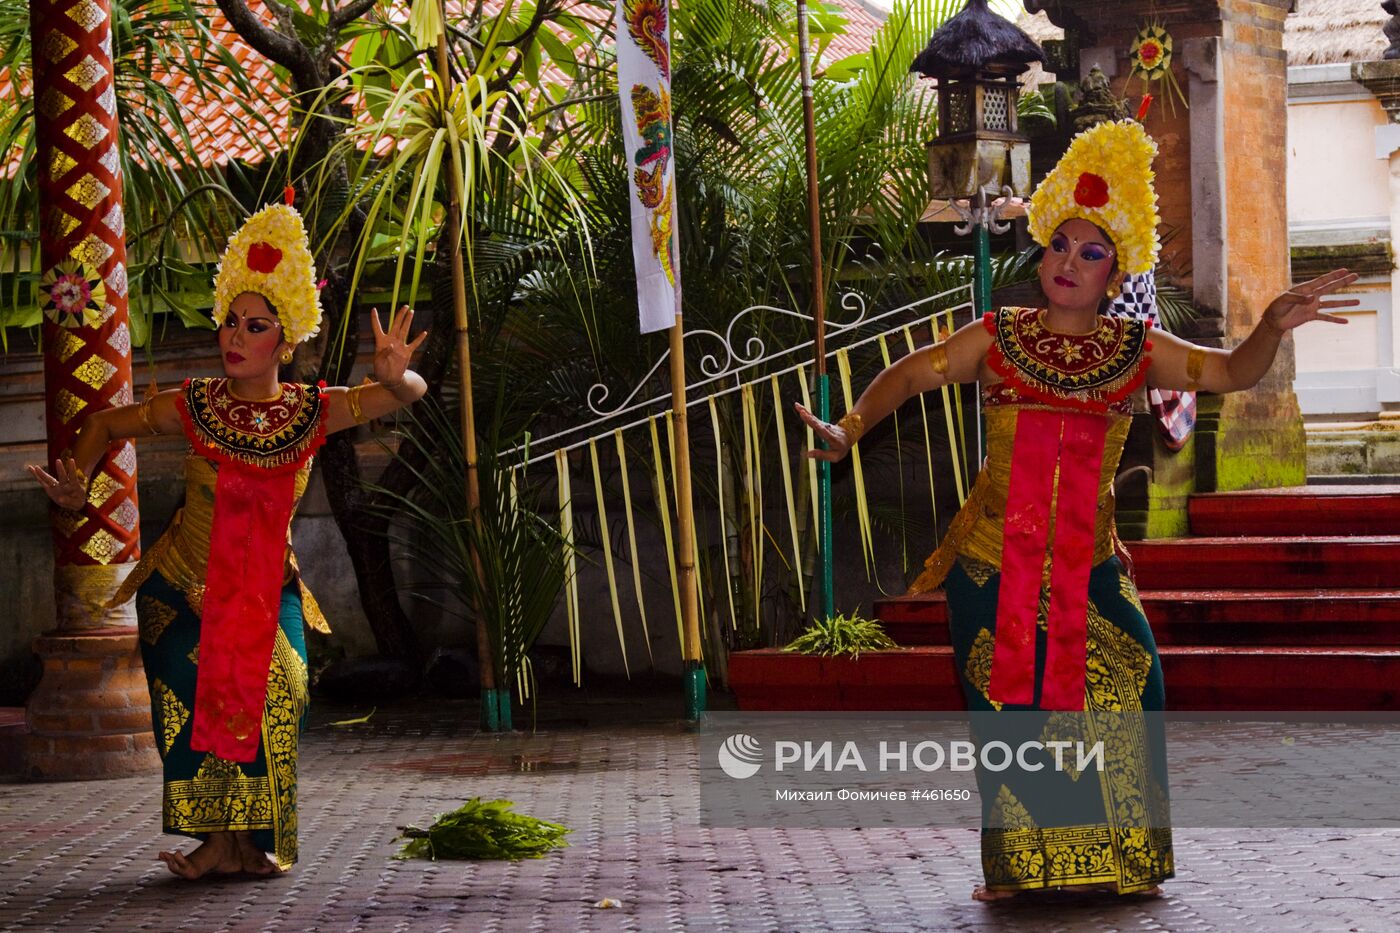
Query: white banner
point(644, 84)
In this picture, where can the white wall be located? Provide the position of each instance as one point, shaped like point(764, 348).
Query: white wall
point(1339, 194)
point(1333, 172)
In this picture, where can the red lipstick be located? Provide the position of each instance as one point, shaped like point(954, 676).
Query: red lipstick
point(1063, 282)
point(233, 357)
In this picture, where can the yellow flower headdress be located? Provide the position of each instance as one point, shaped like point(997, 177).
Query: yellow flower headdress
point(271, 255)
point(1105, 177)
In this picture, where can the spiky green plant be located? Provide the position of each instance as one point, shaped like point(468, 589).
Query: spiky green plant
point(508, 566)
point(483, 830)
point(842, 636)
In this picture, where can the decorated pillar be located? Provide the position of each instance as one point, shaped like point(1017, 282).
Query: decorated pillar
point(87, 344)
point(1220, 122)
point(90, 715)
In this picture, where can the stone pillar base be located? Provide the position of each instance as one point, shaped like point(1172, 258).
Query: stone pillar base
point(90, 716)
point(1154, 484)
point(1250, 440)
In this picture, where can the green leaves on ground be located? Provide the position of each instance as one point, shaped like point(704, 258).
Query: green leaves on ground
point(488, 830)
point(842, 635)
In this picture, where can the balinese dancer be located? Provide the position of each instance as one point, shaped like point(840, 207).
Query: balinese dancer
point(220, 603)
point(1043, 615)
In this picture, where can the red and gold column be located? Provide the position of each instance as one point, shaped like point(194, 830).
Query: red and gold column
point(87, 343)
point(89, 716)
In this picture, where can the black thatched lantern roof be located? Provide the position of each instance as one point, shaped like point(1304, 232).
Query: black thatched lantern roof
point(977, 41)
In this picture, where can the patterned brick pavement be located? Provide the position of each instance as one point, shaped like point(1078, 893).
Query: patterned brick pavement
point(80, 856)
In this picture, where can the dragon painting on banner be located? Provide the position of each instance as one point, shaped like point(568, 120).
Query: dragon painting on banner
point(644, 81)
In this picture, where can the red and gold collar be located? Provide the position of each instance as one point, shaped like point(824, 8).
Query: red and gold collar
point(285, 430)
point(1085, 371)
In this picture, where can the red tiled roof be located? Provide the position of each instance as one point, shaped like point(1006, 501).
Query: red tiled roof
point(861, 25)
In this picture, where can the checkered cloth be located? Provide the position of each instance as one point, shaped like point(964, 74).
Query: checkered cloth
point(1175, 411)
point(1138, 298)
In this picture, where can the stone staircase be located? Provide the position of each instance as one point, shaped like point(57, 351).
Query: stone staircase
point(1281, 600)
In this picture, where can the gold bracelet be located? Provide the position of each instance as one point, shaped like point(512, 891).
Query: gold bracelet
point(146, 417)
point(1195, 365)
point(938, 358)
point(853, 425)
point(352, 399)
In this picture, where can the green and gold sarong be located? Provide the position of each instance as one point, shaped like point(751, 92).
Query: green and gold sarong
point(205, 793)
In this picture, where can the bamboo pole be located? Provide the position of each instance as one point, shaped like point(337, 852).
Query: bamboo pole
point(685, 526)
point(495, 709)
point(814, 217)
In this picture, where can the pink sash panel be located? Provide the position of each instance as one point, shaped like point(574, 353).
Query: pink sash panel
point(1046, 440)
point(242, 597)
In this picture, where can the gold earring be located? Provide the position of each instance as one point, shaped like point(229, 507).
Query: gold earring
point(286, 356)
point(1114, 290)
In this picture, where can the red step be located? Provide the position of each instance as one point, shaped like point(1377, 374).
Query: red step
point(1311, 510)
point(1278, 563)
point(1224, 618)
point(1211, 678)
point(13, 731)
point(907, 679)
point(1200, 678)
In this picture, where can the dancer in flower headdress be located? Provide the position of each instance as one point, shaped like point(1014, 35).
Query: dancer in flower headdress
point(1043, 617)
point(220, 602)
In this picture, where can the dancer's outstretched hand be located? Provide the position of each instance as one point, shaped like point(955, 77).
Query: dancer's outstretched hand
point(838, 441)
point(1305, 302)
point(392, 350)
point(65, 486)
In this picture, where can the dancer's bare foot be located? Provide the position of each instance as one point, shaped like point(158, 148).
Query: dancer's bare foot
point(216, 855)
point(254, 861)
point(988, 894)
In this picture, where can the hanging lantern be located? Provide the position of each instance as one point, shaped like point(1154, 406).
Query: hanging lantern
point(976, 58)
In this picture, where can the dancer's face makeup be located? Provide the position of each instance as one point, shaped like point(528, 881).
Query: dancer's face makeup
point(250, 339)
point(1077, 265)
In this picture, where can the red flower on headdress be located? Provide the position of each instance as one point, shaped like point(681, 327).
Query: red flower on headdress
point(263, 257)
point(1092, 190)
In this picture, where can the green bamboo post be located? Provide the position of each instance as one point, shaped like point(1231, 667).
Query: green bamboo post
point(490, 695)
point(828, 600)
point(983, 248)
point(982, 293)
point(809, 126)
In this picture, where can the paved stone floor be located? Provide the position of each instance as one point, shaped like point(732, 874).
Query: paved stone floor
point(79, 856)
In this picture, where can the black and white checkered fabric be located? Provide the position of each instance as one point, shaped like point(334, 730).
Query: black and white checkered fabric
point(1175, 412)
point(1138, 298)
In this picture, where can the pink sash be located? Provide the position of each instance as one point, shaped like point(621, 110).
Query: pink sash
point(1071, 442)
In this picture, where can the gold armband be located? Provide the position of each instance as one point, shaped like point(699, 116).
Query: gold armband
point(938, 358)
point(1195, 365)
point(854, 426)
point(147, 418)
point(352, 399)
